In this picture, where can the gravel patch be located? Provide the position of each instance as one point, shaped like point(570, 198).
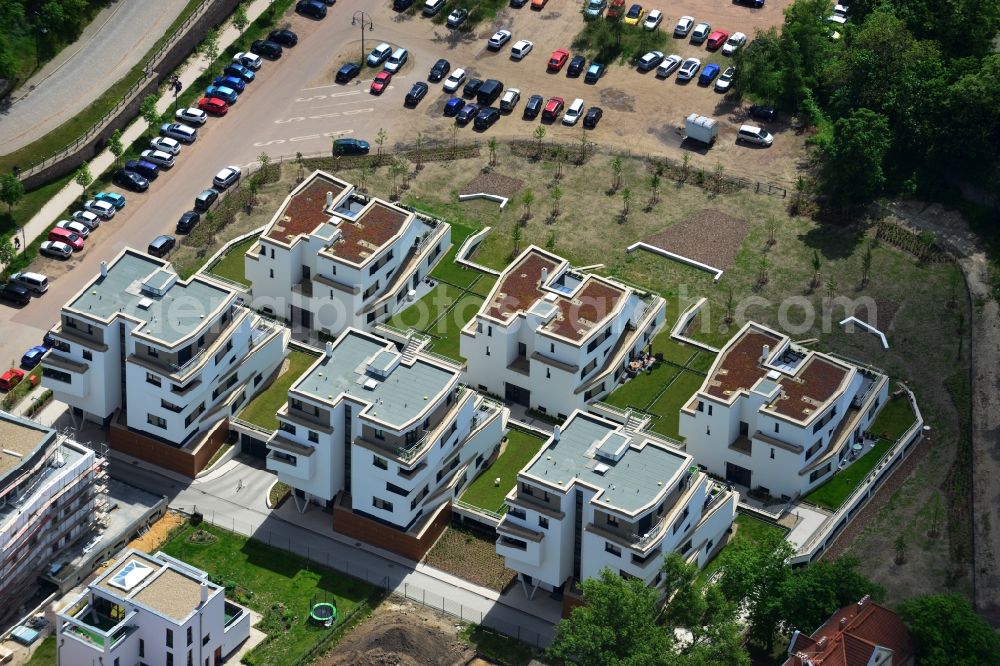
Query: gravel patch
point(493, 183)
point(708, 236)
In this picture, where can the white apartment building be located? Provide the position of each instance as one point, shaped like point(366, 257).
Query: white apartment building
point(553, 339)
point(332, 257)
point(599, 495)
point(174, 356)
point(775, 416)
point(153, 610)
point(50, 500)
point(387, 426)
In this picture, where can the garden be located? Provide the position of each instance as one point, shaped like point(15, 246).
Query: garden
point(470, 556)
point(261, 410)
point(518, 448)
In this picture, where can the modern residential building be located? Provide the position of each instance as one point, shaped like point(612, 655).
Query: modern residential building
point(600, 494)
point(386, 434)
point(862, 634)
point(153, 610)
point(163, 361)
point(552, 338)
point(51, 498)
point(332, 257)
point(775, 416)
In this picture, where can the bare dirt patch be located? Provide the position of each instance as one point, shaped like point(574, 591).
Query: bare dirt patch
point(617, 99)
point(493, 183)
point(709, 236)
point(158, 533)
point(884, 314)
point(470, 556)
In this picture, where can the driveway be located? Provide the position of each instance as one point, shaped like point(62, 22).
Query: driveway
point(109, 47)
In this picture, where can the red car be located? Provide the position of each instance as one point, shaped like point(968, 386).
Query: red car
point(10, 379)
point(716, 39)
point(71, 238)
point(381, 82)
point(213, 105)
point(558, 59)
point(553, 108)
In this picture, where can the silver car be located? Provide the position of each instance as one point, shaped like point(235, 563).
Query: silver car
point(101, 209)
point(226, 177)
point(75, 227)
point(166, 144)
point(88, 218)
point(669, 64)
point(56, 249)
point(159, 158)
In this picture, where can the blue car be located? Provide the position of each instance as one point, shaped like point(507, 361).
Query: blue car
point(147, 170)
point(230, 82)
point(237, 70)
point(453, 106)
point(33, 357)
point(113, 198)
point(227, 95)
point(708, 74)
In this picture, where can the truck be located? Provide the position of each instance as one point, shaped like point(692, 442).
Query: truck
point(701, 128)
point(615, 10)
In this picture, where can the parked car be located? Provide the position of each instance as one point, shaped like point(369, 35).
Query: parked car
point(576, 66)
point(73, 239)
point(226, 94)
point(432, 7)
point(688, 69)
point(634, 14)
point(11, 378)
point(700, 33)
point(102, 209)
point(471, 87)
point(517, 4)
point(188, 221)
point(439, 70)
point(486, 117)
point(350, 147)
point(756, 4)
point(86, 217)
point(764, 113)
point(573, 113)
point(379, 54)
point(594, 115)
point(147, 170)
point(615, 10)
point(191, 116)
point(130, 180)
point(33, 357)
point(499, 38)
point(347, 72)
point(708, 74)
point(213, 105)
point(553, 108)
point(161, 246)
point(538, 5)
point(467, 113)
point(594, 8)
point(667, 67)
point(179, 132)
point(205, 199)
point(650, 61)
point(558, 59)
point(521, 48)
point(266, 48)
point(716, 39)
point(453, 106)
point(36, 283)
point(234, 82)
point(226, 178)
point(725, 80)
point(417, 93)
point(510, 99)
point(17, 294)
point(489, 92)
point(653, 20)
point(735, 41)
point(754, 135)
point(55, 249)
point(533, 107)
point(235, 69)
point(401, 5)
point(594, 73)
point(165, 144)
point(76, 227)
point(311, 8)
point(454, 80)
point(683, 26)
point(396, 60)
point(380, 82)
point(283, 37)
point(248, 60)
point(457, 17)
point(113, 198)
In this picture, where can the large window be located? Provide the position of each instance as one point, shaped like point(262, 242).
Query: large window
point(380, 503)
point(155, 420)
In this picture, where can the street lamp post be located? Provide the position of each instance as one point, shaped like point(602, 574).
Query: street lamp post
point(364, 20)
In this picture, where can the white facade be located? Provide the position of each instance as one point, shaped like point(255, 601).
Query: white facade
point(153, 610)
point(627, 497)
point(387, 424)
point(333, 258)
point(777, 417)
point(174, 356)
point(553, 339)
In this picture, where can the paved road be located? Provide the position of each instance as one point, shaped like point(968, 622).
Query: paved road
point(108, 48)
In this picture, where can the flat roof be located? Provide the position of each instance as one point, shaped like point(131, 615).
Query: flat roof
point(168, 317)
point(19, 439)
point(396, 400)
point(520, 288)
point(739, 365)
point(369, 233)
point(303, 210)
point(104, 582)
point(171, 593)
point(641, 474)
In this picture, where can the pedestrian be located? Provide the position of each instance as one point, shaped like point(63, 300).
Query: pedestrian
point(17, 243)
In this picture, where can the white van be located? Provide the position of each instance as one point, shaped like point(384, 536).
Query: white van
point(756, 135)
point(432, 7)
point(396, 60)
point(573, 113)
point(36, 283)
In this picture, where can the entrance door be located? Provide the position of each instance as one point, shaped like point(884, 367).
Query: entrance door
point(738, 475)
point(516, 394)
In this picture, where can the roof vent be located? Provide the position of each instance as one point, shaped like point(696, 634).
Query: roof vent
point(329, 199)
point(370, 384)
point(329, 349)
point(545, 276)
point(765, 353)
point(601, 468)
point(145, 303)
point(104, 269)
point(773, 375)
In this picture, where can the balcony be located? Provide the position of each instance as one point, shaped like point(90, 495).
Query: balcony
point(742, 445)
point(303, 287)
point(98, 629)
point(520, 364)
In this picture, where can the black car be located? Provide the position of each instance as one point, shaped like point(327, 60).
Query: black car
point(518, 3)
point(467, 113)
point(401, 5)
point(161, 246)
point(348, 72)
point(472, 87)
point(764, 113)
point(417, 93)
point(130, 180)
point(350, 147)
point(313, 8)
point(15, 293)
point(329, 3)
point(576, 66)
point(593, 117)
point(187, 221)
point(440, 68)
point(283, 37)
point(486, 117)
point(266, 48)
point(533, 107)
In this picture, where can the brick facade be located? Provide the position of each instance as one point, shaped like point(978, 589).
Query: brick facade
point(374, 533)
point(183, 461)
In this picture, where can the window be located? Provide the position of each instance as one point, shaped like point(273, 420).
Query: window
point(701, 406)
point(379, 434)
point(543, 522)
point(552, 347)
point(152, 352)
point(313, 437)
point(772, 453)
point(393, 488)
point(150, 378)
point(813, 449)
point(487, 350)
point(204, 641)
point(710, 410)
point(284, 457)
point(190, 659)
point(517, 513)
point(158, 421)
point(818, 473)
point(270, 272)
point(548, 373)
point(166, 404)
point(612, 548)
point(489, 331)
point(87, 356)
point(514, 543)
point(142, 648)
point(257, 379)
point(380, 503)
point(58, 375)
point(775, 427)
point(170, 638)
point(286, 427)
point(612, 520)
point(190, 635)
point(379, 462)
point(170, 657)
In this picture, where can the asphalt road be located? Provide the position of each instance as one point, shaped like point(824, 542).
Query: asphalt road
point(115, 42)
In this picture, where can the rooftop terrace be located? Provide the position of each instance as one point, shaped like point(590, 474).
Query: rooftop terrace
point(303, 210)
point(18, 440)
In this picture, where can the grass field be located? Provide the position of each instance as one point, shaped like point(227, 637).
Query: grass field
point(894, 419)
point(232, 264)
point(519, 449)
point(447, 270)
point(667, 406)
point(833, 493)
point(428, 309)
point(45, 653)
point(261, 409)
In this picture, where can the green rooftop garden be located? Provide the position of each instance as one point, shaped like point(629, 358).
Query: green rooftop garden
point(231, 265)
point(261, 410)
point(518, 450)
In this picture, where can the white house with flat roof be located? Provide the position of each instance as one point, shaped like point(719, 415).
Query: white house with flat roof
point(332, 257)
point(154, 610)
point(600, 495)
point(553, 339)
point(775, 416)
point(174, 356)
point(385, 425)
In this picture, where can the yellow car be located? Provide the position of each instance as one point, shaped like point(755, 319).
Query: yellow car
point(634, 15)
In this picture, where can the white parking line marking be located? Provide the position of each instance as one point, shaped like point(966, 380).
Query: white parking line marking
point(321, 116)
point(304, 137)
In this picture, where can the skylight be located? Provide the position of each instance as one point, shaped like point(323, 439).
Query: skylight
point(131, 575)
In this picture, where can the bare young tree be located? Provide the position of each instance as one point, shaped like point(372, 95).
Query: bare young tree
point(539, 135)
point(419, 143)
point(616, 170)
point(515, 239)
point(556, 194)
point(380, 139)
point(772, 229)
point(527, 198)
point(763, 265)
point(817, 263)
point(626, 200)
point(492, 145)
point(730, 306)
point(654, 189)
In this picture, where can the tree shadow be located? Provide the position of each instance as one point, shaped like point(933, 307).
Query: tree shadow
point(834, 242)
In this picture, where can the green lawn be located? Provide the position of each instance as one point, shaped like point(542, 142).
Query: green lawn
point(641, 390)
point(262, 408)
point(833, 493)
point(447, 330)
point(484, 285)
point(426, 311)
point(232, 266)
point(747, 529)
point(702, 361)
point(45, 653)
point(29, 205)
point(894, 419)
point(668, 406)
point(279, 585)
point(520, 448)
point(447, 270)
point(672, 350)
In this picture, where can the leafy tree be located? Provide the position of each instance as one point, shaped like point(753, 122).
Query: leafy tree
point(147, 109)
point(240, 18)
point(654, 188)
point(264, 160)
point(11, 190)
point(515, 240)
point(380, 139)
point(626, 200)
point(810, 595)
point(854, 156)
point(539, 135)
point(948, 632)
point(616, 170)
point(556, 196)
point(527, 198)
point(492, 145)
point(817, 264)
point(209, 47)
point(7, 252)
point(83, 177)
point(116, 146)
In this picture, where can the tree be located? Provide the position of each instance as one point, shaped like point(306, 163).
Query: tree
point(253, 186)
point(730, 306)
point(396, 169)
point(654, 189)
point(7, 252)
point(11, 190)
point(556, 196)
point(527, 198)
point(626, 200)
point(831, 289)
point(83, 178)
point(900, 546)
point(539, 135)
point(685, 166)
point(116, 146)
point(364, 173)
point(817, 263)
point(808, 596)
point(763, 264)
point(616, 170)
point(866, 264)
point(515, 240)
point(583, 146)
point(853, 171)
point(300, 162)
point(264, 160)
point(772, 228)
point(615, 627)
point(949, 632)
point(717, 181)
point(240, 18)
point(380, 139)
point(147, 109)
point(492, 145)
point(550, 241)
point(560, 158)
point(209, 47)
point(419, 144)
